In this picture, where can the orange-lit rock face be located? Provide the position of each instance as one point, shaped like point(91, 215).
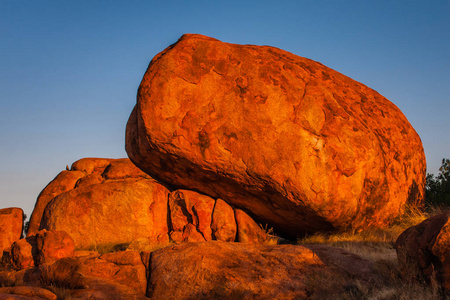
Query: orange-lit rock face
point(298, 144)
point(424, 250)
point(53, 245)
point(188, 207)
point(84, 172)
point(11, 225)
point(102, 201)
point(111, 212)
point(219, 270)
point(113, 202)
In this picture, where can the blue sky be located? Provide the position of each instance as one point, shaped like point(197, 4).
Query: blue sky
point(69, 70)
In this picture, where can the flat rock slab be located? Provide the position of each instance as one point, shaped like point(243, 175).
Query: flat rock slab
point(220, 270)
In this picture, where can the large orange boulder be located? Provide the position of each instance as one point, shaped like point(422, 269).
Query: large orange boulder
point(102, 201)
point(113, 212)
point(11, 226)
point(423, 250)
point(83, 172)
point(299, 145)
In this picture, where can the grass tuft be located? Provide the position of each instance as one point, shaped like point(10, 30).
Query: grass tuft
point(377, 245)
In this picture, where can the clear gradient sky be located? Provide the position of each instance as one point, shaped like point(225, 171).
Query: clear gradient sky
point(69, 70)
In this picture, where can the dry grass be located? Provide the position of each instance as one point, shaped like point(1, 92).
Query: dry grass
point(377, 245)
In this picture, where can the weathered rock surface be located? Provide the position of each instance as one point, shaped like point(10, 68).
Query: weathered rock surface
point(301, 146)
point(63, 182)
point(223, 224)
point(11, 226)
point(113, 212)
point(219, 270)
point(248, 231)
point(83, 172)
point(26, 292)
point(44, 247)
point(190, 216)
point(119, 275)
point(113, 203)
point(23, 252)
point(423, 250)
point(53, 245)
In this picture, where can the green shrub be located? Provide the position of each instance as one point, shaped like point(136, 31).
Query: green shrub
point(438, 187)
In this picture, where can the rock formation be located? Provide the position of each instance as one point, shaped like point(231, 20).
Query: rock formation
point(44, 247)
point(53, 245)
point(111, 212)
point(112, 202)
point(11, 226)
point(299, 145)
point(423, 250)
point(219, 270)
point(84, 172)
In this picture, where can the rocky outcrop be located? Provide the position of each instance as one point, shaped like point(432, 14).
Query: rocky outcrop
point(119, 275)
point(112, 212)
point(11, 226)
point(299, 145)
point(22, 253)
point(113, 203)
point(83, 173)
point(44, 247)
point(423, 250)
point(53, 245)
point(219, 270)
point(65, 181)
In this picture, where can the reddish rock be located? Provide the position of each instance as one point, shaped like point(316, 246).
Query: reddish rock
point(89, 165)
point(28, 292)
point(53, 245)
point(113, 212)
point(190, 216)
point(122, 168)
point(424, 250)
point(23, 252)
point(220, 270)
point(223, 222)
point(120, 275)
point(65, 181)
point(94, 178)
point(84, 172)
point(301, 146)
point(247, 229)
point(11, 226)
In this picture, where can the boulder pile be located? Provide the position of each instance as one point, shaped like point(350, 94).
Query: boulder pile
point(227, 143)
